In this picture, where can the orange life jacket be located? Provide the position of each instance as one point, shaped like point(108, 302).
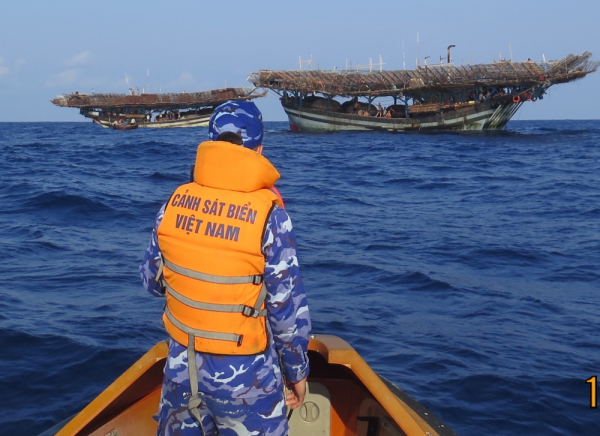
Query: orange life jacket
point(211, 241)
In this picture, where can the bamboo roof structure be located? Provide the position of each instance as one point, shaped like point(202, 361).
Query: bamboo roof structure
point(436, 78)
point(157, 101)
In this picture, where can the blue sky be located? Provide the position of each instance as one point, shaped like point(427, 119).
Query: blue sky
point(54, 47)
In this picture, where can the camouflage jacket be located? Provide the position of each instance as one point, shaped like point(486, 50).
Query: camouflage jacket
point(288, 323)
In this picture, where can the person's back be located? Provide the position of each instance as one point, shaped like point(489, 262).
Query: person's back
point(228, 225)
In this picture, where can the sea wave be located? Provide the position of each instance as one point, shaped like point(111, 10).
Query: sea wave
point(462, 266)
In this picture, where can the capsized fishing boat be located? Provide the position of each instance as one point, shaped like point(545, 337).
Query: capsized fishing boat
point(445, 96)
point(186, 109)
point(345, 397)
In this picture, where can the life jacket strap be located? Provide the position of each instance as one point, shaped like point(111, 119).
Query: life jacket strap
point(253, 312)
point(211, 278)
point(195, 400)
point(161, 267)
point(259, 302)
point(205, 334)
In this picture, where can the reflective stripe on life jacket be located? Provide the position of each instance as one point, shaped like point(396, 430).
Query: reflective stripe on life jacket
point(211, 241)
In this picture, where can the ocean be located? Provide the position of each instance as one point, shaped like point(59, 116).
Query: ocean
point(464, 268)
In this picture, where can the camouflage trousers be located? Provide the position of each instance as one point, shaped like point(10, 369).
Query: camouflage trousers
point(220, 416)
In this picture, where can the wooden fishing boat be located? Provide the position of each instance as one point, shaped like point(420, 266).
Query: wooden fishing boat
point(431, 97)
point(158, 111)
point(345, 397)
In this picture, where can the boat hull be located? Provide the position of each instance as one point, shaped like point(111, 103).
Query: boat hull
point(492, 115)
point(345, 396)
point(198, 121)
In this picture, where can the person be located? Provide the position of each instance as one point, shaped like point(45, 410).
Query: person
point(223, 252)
